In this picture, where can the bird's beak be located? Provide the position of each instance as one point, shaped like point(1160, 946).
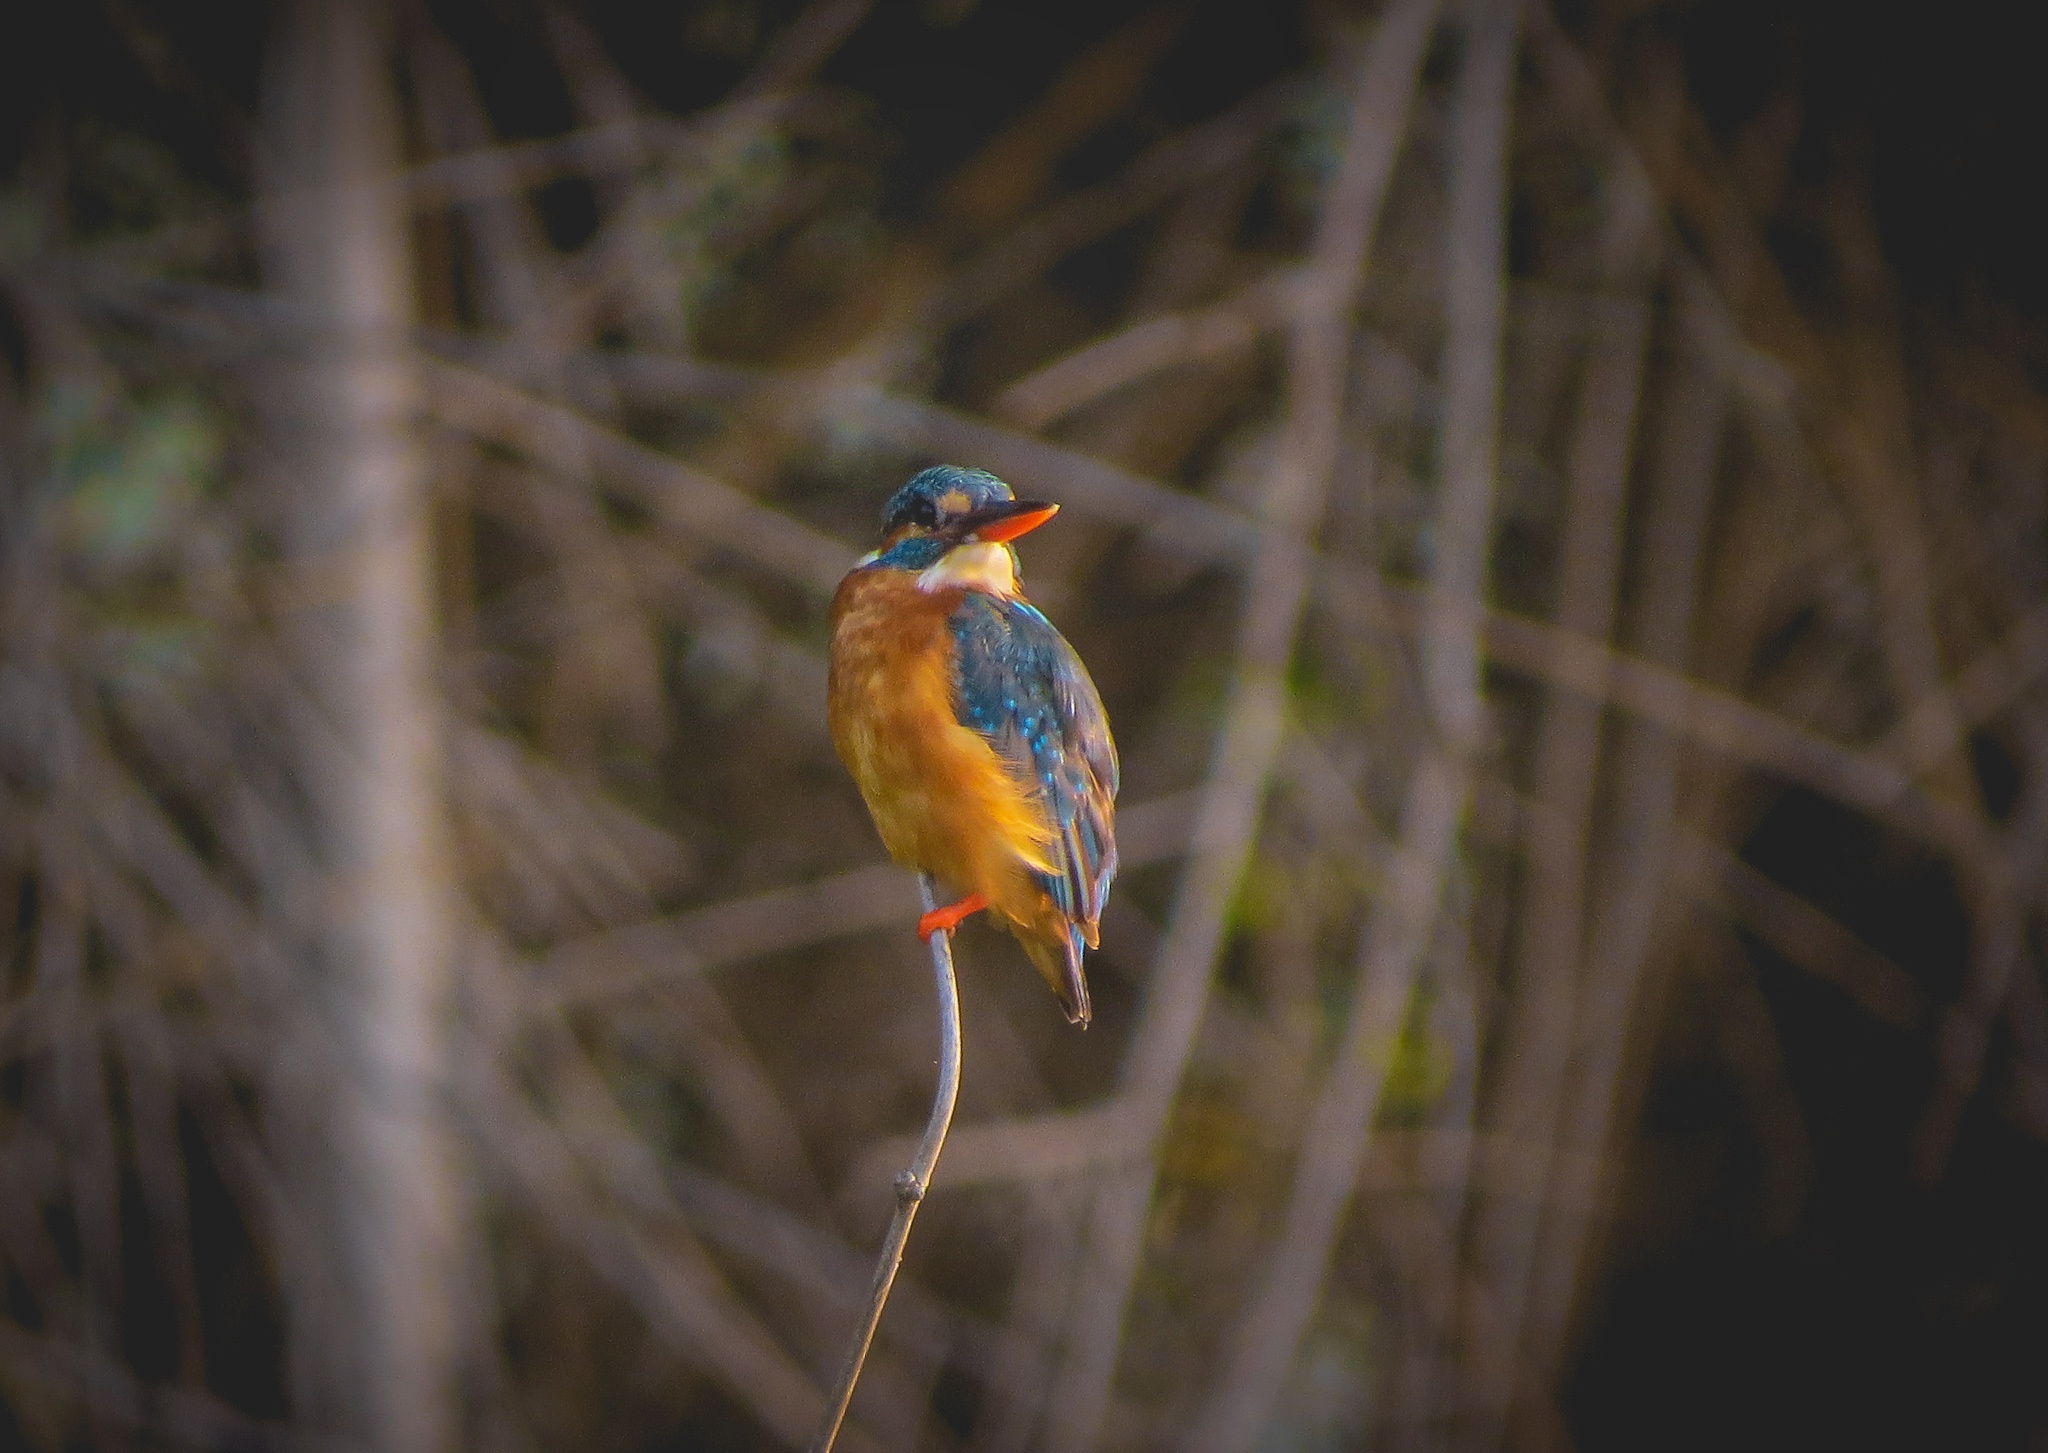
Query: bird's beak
point(1000, 523)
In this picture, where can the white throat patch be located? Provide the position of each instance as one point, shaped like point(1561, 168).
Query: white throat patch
point(979, 566)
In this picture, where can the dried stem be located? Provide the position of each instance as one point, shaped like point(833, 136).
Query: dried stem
point(912, 1183)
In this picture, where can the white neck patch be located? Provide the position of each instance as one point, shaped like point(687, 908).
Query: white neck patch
point(979, 566)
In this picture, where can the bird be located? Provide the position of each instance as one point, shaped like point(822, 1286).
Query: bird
point(975, 734)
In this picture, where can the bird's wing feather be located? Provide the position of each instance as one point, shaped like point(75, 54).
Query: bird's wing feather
point(1023, 688)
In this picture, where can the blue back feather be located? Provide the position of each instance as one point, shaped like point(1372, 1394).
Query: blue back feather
point(1023, 688)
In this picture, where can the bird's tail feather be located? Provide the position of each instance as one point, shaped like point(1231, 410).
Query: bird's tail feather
point(1058, 960)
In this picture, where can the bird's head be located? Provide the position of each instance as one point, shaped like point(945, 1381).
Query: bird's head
point(954, 525)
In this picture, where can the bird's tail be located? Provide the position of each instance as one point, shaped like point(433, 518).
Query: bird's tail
point(1057, 955)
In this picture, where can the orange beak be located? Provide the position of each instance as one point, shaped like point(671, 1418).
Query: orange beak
point(999, 524)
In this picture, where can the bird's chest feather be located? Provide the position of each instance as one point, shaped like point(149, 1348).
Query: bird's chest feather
point(928, 780)
point(891, 684)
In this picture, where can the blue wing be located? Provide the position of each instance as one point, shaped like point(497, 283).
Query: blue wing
point(1023, 688)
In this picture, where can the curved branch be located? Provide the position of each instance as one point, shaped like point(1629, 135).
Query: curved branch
point(911, 1184)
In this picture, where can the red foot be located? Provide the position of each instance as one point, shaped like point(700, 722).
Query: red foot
point(945, 920)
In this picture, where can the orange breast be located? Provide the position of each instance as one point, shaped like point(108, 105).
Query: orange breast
point(942, 799)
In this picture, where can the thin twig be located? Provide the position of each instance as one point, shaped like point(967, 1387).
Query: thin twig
point(1623, 924)
point(1535, 1047)
point(912, 1184)
point(802, 46)
point(1747, 1038)
point(1037, 241)
point(568, 442)
point(1165, 341)
point(1800, 932)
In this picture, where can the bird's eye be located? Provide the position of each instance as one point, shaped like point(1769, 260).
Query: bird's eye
point(924, 512)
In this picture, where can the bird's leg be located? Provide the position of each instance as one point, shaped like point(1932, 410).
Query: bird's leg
point(945, 920)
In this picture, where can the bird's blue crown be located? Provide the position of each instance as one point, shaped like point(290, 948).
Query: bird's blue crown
point(939, 494)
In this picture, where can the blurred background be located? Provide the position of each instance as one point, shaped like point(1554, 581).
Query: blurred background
point(1556, 502)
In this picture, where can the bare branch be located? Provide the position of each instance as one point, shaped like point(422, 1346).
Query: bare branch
point(912, 1184)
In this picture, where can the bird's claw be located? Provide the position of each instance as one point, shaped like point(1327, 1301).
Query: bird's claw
point(945, 920)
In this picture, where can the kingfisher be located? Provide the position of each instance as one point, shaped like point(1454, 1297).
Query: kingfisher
point(971, 727)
